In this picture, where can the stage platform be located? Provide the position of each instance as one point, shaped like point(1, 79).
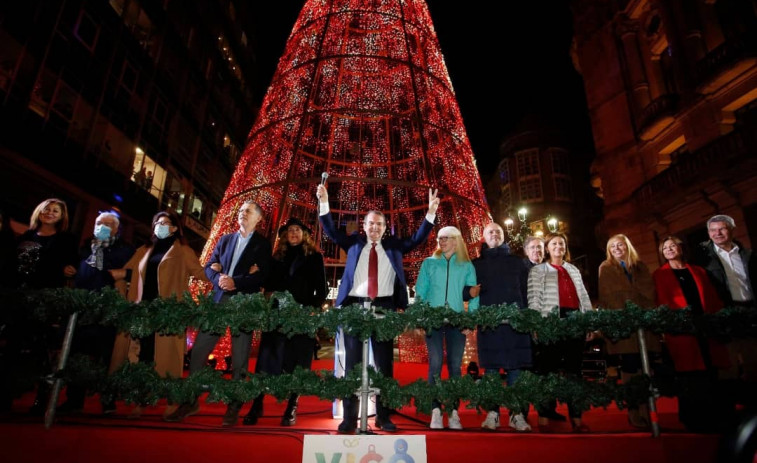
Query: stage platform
point(91, 437)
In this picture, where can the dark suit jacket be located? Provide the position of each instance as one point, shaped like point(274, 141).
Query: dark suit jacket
point(395, 248)
point(708, 258)
point(257, 252)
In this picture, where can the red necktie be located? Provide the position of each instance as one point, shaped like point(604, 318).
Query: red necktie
point(373, 272)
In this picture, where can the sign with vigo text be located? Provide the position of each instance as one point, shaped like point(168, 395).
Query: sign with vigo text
point(364, 449)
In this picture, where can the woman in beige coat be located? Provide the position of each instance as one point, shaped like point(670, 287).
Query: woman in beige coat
point(623, 277)
point(162, 269)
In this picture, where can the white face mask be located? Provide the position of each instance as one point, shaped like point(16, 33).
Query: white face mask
point(102, 232)
point(162, 231)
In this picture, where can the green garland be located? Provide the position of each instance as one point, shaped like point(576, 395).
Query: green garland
point(249, 312)
point(139, 383)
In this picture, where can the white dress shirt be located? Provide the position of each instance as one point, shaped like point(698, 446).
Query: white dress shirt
point(735, 273)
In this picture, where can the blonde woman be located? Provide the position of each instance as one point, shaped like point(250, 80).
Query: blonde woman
point(47, 257)
point(557, 283)
point(624, 278)
point(442, 279)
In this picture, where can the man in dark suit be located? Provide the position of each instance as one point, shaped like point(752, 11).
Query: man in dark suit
point(239, 264)
point(732, 269)
point(387, 284)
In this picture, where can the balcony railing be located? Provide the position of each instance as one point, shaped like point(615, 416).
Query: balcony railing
point(660, 107)
point(726, 55)
point(723, 151)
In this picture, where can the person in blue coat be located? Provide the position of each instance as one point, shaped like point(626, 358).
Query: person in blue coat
point(386, 288)
point(443, 281)
point(503, 279)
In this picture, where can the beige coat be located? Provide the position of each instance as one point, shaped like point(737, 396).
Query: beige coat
point(615, 290)
point(178, 264)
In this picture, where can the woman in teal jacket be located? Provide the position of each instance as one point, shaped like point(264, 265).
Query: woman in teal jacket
point(442, 281)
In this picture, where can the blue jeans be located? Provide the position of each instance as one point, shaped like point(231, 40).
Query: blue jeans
point(455, 347)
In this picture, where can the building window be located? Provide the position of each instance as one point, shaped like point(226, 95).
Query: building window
point(563, 188)
point(127, 82)
point(65, 101)
point(561, 175)
point(529, 175)
point(173, 194)
point(148, 174)
point(504, 184)
point(528, 163)
point(87, 30)
point(160, 111)
point(231, 150)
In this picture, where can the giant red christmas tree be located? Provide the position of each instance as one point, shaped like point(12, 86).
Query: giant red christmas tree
point(362, 93)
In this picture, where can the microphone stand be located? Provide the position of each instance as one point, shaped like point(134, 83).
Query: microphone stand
point(366, 390)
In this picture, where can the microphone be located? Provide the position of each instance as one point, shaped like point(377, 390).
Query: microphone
point(324, 176)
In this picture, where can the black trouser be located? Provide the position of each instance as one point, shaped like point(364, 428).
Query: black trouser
point(298, 351)
point(564, 357)
point(95, 341)
point(383, 356)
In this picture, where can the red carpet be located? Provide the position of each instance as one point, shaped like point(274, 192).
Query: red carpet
point(91, 437)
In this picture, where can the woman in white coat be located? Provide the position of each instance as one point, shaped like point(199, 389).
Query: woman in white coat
point(558, 284)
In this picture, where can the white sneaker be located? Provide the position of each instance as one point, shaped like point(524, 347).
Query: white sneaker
point(436, 419)
point(491, 421)
point(454, 420)
point(519, 423)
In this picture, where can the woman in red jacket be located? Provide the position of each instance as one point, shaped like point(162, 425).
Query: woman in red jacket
point(696, 359)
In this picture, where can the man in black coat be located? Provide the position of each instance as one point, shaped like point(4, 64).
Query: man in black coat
point(503, 279)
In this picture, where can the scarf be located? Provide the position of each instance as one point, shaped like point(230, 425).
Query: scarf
point(96, 258)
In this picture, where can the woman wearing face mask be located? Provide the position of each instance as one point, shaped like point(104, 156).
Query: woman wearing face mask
point(162, 269)
point(442, 280)
point(47, 256)
point(557, 283)
point(624, 278)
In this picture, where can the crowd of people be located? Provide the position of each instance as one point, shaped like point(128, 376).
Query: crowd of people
point(720, 273)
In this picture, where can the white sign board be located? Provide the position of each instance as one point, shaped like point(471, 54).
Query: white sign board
point(364, 449)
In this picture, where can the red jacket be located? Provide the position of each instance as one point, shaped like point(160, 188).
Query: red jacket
point(684, 349)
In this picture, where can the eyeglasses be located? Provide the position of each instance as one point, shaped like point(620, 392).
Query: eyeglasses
point(442, 239)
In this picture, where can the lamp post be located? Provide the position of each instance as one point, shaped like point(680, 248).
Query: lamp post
point(552, 224)
point(515, 240)
point(516, 237)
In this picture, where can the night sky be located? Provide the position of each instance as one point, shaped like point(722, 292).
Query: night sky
point(496, 53)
